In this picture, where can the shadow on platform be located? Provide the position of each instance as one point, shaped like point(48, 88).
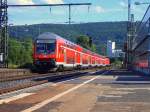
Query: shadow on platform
point(129, 77)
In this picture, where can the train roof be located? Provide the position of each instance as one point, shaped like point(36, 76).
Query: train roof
point(49, 35)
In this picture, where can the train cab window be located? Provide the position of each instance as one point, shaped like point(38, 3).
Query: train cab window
point(50, 47)
point(45, 46)
point(40, 48)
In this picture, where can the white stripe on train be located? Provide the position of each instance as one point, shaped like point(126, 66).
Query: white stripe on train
point(74, 65)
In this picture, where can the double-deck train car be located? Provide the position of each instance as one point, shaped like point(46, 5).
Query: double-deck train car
point(52, 51)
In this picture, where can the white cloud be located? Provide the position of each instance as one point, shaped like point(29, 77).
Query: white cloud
point(134, 8)
point(123, 4)
point(31, 1)
point(53, 1)
point(20, 2)
point(99, 9)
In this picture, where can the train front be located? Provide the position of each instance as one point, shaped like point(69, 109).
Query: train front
point(45, 52)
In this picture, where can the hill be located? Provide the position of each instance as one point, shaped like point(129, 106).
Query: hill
point(99, 31)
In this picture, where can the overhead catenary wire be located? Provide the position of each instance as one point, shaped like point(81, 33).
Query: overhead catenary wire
point(51, 5)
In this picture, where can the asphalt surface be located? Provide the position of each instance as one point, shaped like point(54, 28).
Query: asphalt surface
point(111, 91)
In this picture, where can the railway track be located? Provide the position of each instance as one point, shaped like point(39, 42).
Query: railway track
point(9, 84)
point(13, 74)
point(21, 82)
point(20, 74)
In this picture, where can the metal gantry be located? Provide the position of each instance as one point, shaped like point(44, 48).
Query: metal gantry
point(53, 5)
point(3, 33)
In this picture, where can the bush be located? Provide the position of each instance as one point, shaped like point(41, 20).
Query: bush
point(20, 52)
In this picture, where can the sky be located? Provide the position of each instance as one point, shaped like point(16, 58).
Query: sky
point(99, 11)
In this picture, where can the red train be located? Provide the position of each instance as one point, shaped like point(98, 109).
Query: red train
point(53, 51)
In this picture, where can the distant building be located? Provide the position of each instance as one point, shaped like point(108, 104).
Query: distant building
point(112, 51)
point(110, 48)
point(118, 53)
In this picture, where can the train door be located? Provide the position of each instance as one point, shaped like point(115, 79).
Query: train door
point(89, 60)
point(75, 59)
point(65, 56)
point(61, 54)
point(81, 59)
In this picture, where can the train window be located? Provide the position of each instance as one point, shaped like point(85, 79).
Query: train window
point(40, 47)
point(50, 47)
point(45, 47)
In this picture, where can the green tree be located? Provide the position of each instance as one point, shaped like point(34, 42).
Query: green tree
point(84, 41)
point(20, 52)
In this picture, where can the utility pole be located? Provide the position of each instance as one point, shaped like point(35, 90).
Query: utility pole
point(3, 34)
point(132, 30)
point(69, 14)
point(129, 10)
point(127, 57)
point(132, 36)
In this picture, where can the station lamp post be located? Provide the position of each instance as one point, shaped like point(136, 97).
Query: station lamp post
point(143, 3)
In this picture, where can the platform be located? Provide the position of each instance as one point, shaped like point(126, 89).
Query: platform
point(111, 91)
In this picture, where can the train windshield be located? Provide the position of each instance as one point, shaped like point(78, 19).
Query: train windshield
point(45, 46)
